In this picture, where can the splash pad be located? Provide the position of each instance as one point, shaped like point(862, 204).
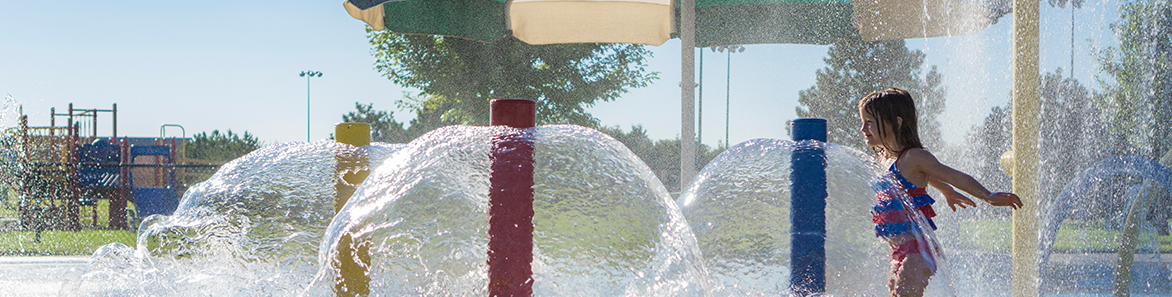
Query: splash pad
point(266, 224)
point(259, 226)
point(421, 224)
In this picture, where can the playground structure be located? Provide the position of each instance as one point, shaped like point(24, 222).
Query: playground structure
point(62, 172)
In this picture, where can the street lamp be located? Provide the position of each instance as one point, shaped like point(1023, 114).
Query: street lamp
point(310, 74)
point(728, 83)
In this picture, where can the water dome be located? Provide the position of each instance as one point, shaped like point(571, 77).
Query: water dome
point(603, 224)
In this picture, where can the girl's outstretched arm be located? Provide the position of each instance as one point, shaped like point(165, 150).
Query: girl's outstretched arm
point(927, 163)
point(953, 198)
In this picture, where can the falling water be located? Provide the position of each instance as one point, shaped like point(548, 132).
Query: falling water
point(1085, 266)
point(253, 229)
point(739, 210)
point(263, 225)
point(603, 223)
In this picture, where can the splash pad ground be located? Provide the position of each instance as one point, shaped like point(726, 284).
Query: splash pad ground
point(44, 276)
point(37, 276)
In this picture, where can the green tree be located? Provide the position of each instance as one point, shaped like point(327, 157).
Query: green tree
point(218, 147)
point(1067, 112)
point(457, 77)
point(986, 142)
point(1065, 148)
point(383, 127)
point(221, 147)
point(661, 156)
point(1138, 82)
point(856, 68)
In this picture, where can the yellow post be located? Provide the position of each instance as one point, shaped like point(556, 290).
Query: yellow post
point(1025, 147)
point(356, 134)
point(353, 167)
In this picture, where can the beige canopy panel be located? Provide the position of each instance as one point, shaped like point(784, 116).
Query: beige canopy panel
point(532, 21)
point(373, 16)
point(557, 21)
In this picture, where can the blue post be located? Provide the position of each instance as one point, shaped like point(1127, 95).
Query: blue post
point(808, 209)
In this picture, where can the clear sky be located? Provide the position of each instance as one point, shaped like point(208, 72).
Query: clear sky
point(234, 65)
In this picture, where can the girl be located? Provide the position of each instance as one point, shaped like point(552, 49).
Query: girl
point(889, 127)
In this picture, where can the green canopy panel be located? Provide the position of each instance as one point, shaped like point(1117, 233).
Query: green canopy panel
point(482, 20)
point(793, 22)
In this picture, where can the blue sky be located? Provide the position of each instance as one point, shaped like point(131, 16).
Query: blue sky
point(234, 65)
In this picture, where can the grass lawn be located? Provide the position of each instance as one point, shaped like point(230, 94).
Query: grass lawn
point(73, 243)
point(1073, 237)
point(61, 243)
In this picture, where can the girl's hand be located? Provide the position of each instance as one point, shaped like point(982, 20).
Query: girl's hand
point(1004, 199)
point(954, 199)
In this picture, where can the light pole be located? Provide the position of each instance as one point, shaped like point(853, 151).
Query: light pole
point(728, 83)
point(310, 74)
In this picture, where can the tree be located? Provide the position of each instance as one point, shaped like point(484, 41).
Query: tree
point(856, 68)
point(383, 127)
point(457, 77)
point(221, 147)
point(986, 142)
point(1138, 84)
point(1068, 112)
point(661, 156)
point(218, 147)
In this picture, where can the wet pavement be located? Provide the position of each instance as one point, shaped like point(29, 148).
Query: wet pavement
point(1094, 273)
point(1069, 275)
point(37, 276)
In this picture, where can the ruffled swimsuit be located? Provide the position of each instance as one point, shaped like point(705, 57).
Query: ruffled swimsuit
point(889, 216)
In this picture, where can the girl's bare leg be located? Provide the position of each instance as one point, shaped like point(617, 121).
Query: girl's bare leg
point(909, 278)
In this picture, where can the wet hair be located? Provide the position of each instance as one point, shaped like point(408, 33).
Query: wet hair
point(887, 105)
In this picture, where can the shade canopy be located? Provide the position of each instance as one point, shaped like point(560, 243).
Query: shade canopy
point(706, 22)
point(717, 22)
point(531, 21)
point(731, 22)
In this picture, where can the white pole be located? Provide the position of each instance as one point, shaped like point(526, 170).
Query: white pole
point(688, 93)
point(1025, 147)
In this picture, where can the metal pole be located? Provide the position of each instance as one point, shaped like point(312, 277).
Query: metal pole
point(1025, 147)
point(307, 79)
point(808, 208)
point(727, 93)
point(687, 93)
point(700, 102)
point(308, 75)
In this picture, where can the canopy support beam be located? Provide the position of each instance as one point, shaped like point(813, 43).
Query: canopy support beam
point(687, 93)
point(1025, 147)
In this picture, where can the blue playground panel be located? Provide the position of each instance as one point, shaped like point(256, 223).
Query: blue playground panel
point(153, 200)
point(150, 200)
point(100, 152)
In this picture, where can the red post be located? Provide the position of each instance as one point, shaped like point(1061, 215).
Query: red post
point(114, 120)
point(74, 185)
point(118, 202)
point(510, 212)
point(25, 176)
